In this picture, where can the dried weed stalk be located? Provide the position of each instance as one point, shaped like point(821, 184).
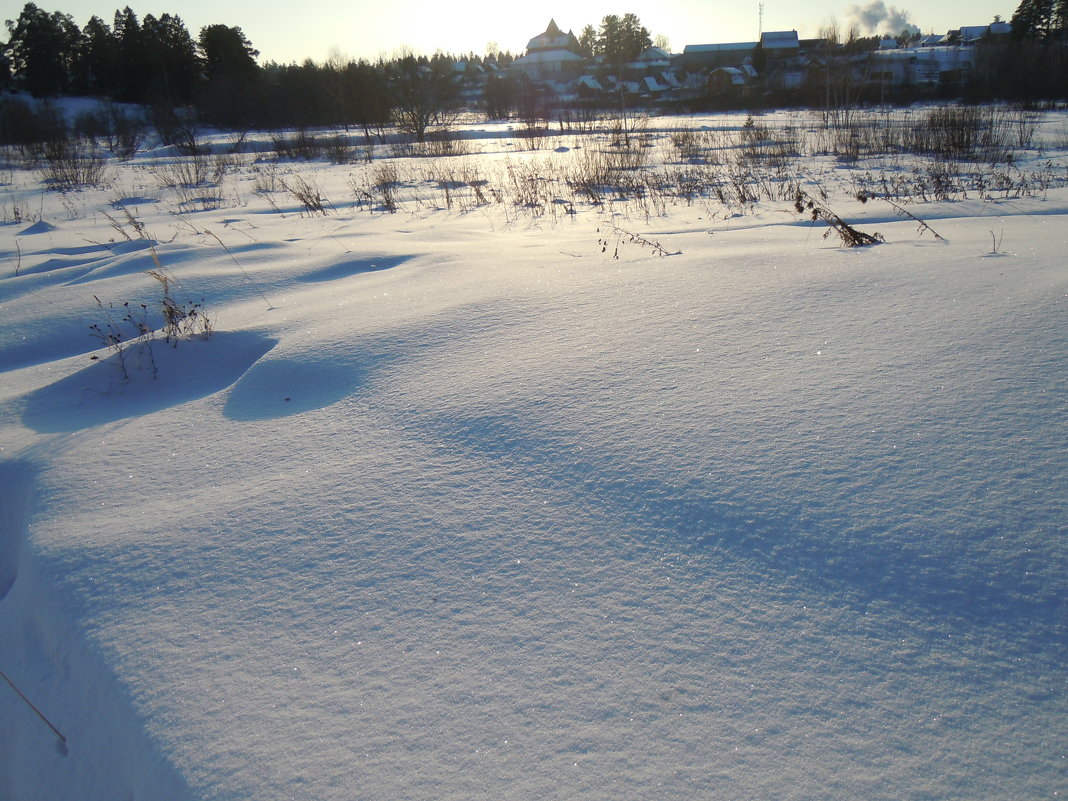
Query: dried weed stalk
point(850, 236)
point(615, 237)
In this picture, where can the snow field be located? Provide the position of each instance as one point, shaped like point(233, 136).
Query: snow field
point(458, 506)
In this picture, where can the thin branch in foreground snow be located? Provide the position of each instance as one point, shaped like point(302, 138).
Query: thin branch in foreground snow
point(621, 235)
point(248, 277)
point(923, 226)
point(40, 714)
point(849, 235)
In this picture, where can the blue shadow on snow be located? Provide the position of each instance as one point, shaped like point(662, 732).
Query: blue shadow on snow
point(352, 267)
point(99, 394)
point(281, 387)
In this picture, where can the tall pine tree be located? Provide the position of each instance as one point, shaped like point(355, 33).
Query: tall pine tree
point(226, 52)
point(134, 71)
point(43, 48)
point(96, 65)
point(172, 58)
point(622, 39)
point(1039, 19)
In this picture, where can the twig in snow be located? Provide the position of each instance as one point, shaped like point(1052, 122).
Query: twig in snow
point(995, 242)
point(621, 235)
point(923, 226)
point(242, 269)
point(40, 714)
point(847, 233)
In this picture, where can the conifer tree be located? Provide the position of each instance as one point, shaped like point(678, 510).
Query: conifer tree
point(227, 52)
point(622, 39)
point(96, 64)
point(1038, 18)
point(43, 48)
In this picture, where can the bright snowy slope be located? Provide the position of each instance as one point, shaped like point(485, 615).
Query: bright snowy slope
point(476, 512)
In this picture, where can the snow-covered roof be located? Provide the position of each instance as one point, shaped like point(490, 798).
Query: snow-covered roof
point(779, 40)
point(552, 39)
point(973, 33)
point(718, 48)
point(651, 84)
point(545, 57)
point(654, 54)
point(733, 75)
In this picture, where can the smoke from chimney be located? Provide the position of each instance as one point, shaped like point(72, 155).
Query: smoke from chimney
point(876, 17)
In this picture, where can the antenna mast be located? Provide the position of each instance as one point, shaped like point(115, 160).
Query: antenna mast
point(760, 23)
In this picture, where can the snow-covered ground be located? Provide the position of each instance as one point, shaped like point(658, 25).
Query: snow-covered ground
point(457, 504)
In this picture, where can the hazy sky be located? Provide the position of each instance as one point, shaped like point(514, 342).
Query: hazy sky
point(290, 31)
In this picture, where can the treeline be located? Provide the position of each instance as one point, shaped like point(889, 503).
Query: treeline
point(157, 63)
point(214, 78)
point(130, 60)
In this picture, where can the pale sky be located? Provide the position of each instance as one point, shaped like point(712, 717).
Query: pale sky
point(287, 32)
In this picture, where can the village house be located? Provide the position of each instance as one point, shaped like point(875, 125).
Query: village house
point(777, 64)
point(551, 56)
point(780, 44)
point(705, 57)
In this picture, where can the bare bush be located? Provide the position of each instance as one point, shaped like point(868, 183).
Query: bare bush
point(127, 330)
point(307, 193)
point(339, 149)
point(180, 320)
point(121, 132)
point(302, 145)
point(190, 172)
point(72, 164)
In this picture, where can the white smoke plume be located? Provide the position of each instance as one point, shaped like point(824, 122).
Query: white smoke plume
point(876, 17)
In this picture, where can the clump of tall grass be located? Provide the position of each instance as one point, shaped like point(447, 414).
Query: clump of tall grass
point(687, 143)
point(192, 171)
point(265, 179)
point(301, 145)
point(307, 193)
point(72, 164)
point(377, 188)
point(437, 144)
point(964, 133)
point(127, 330)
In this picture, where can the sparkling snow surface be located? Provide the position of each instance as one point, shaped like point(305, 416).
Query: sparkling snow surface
point(458, 506)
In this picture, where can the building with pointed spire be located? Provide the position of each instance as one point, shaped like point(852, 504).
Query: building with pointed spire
point(552, 56)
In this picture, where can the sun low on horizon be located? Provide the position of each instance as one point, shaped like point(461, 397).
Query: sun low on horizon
point(364, 30)
point(480, 26)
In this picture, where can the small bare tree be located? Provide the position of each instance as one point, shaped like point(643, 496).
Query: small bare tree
point(424, 94)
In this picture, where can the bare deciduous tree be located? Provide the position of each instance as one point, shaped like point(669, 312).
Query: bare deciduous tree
point(424, 94)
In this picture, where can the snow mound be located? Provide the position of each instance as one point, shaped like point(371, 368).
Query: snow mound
point(39, 227)
point(284, 386)
point(161, 375)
